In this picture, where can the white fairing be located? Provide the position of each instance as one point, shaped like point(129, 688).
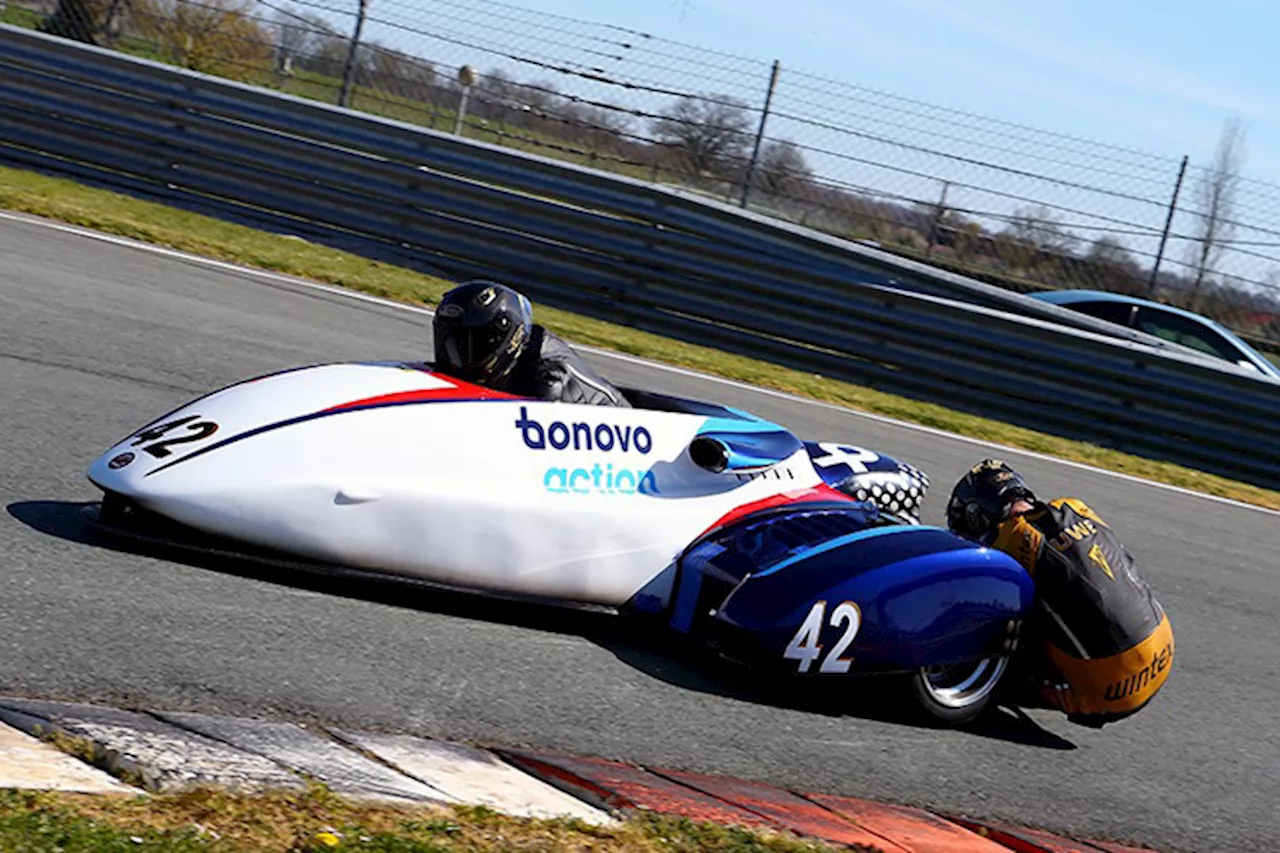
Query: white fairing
point(448, 490)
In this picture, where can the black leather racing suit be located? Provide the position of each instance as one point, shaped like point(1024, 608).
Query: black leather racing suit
point(1108, 642)
point(550, 370)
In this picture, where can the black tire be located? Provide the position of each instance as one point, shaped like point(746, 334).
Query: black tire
point(958, 694)
point(114, 509)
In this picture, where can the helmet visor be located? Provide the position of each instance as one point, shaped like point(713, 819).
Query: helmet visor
point(472, 351)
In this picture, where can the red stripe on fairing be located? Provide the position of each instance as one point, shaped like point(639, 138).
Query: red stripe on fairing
point(459, 392)
point(821, 492)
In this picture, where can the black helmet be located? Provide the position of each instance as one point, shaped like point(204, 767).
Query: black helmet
point(481, 329)
point(981, 500)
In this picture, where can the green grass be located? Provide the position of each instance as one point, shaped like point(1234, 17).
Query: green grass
point(70, 202)
point(20, 16)
point(210, 821)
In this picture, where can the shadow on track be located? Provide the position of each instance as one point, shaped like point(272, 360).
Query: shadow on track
point(635, 642)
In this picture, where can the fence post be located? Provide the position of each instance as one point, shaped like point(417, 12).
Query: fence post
point(349, 73)
point(1168, 223)
point(938, 213)
point(110, 26)
point(755, 149)
point(466, 79)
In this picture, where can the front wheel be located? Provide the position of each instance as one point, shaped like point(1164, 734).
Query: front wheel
point(956, 694)
point(114, 509)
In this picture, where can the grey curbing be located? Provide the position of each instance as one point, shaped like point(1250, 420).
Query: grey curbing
point(473, 776)
point(413, 771)
point(30, 764)
point(343, 770)
point(165, 757)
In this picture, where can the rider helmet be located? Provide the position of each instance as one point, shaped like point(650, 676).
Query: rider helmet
point(983, 497)
point(480, 329)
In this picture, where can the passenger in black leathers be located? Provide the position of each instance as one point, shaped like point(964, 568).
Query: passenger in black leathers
point(484, 333)
point(1102, 646)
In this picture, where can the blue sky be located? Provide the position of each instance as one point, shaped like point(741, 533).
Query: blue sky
point(1159, 77)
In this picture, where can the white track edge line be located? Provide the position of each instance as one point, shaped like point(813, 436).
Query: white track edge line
point(655, 365)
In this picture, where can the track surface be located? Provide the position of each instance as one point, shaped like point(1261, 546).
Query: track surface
point(97, 338)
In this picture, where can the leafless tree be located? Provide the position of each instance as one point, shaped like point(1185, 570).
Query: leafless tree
point(305, 42)
point(595, 127)
point(1110, 266)
point(79, 20)
point(397, 73)
point(299, 33)
point(710, 134)
point(1216, 200)
point(1110, 250)
point(1041, 227)
point(782, 170)
point(496, 87)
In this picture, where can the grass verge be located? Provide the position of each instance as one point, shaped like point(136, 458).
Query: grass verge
point(316, 821)
point(41, 195)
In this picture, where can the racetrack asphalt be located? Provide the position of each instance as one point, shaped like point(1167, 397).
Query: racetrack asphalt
point(97, 338)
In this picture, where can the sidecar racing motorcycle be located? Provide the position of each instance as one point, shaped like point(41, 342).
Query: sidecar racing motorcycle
point(796, 558)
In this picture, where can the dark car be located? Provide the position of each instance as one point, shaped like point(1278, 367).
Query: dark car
point(1163, 321)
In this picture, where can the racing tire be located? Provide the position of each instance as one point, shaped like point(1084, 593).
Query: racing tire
point(957, 694)
point(114, 509)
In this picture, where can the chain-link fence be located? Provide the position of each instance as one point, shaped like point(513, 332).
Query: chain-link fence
point(1013, 205)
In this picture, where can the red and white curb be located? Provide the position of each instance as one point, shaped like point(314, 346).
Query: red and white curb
point(167, 752)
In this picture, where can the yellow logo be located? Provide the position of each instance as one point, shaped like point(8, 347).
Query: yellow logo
point(1077, 532)
point(486, 296)
point(1095, 554)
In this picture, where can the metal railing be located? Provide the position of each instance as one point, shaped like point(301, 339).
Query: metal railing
point(664, 261)
point(1023, 208)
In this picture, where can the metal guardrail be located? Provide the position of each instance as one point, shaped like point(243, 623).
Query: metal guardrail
point(649, 257)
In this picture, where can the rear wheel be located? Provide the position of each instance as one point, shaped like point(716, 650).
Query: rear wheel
point(957, 693)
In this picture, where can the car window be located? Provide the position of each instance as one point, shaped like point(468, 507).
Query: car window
point(1187, 332)
point(1113, 312)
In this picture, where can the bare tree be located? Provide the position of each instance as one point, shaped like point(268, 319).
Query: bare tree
point(1041, 227)
point(967, 238)
point(782, 169)
point(305, 41)
point(1216, 198)
point(596, 127)
point(496, 87)
point(1110, 266)
point(396, 72)
point(709, 133)
point(299, 33)
point(78, 20)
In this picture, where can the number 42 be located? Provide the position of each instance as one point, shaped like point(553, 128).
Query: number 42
point(806, 647)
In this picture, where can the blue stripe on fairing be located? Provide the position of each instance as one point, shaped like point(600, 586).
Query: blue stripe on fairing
point(840, 542)
point(744, 427)
point(740, 413)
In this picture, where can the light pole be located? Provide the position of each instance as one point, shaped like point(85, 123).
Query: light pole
point(466, 77)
